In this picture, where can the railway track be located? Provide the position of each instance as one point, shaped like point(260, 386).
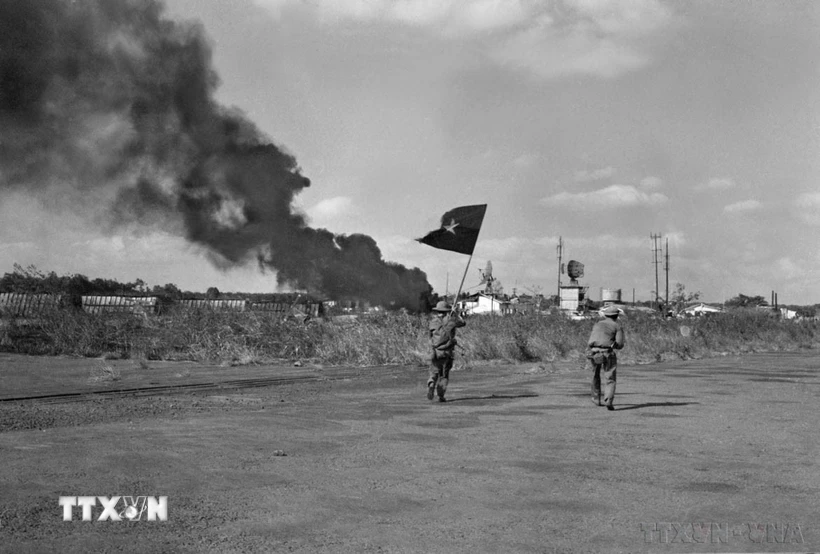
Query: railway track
point(208, 386)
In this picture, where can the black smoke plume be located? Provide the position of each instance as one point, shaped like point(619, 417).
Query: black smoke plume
point(110, 102)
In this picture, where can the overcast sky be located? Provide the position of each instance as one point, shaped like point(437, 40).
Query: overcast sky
point(599, 121)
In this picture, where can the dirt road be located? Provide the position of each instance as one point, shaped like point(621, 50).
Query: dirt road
point(716, 455)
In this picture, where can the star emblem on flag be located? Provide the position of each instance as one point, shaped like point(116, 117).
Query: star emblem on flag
point(461, 233)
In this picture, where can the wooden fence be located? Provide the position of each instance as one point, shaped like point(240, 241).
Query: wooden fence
point(120, 304)
point(218, 305)
point(312, 309)
point(24, 305)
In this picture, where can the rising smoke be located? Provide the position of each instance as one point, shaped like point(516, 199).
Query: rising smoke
point(110, 101)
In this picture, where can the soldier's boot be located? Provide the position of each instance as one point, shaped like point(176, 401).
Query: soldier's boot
point(596, 387)
point(441, 389)
point(431, 388)
point(609, 396)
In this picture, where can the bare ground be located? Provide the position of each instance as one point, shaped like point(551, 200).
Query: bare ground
point(699, 456)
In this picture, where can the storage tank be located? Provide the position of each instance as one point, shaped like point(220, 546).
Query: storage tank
point(611, 295)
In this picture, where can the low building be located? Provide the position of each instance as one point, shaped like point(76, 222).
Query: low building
point(700, 309)
point(573, 297)
point(483, 304)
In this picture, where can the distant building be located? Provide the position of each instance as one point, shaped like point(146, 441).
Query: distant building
point(573, 297)
point(700, 309)
point(483, 304)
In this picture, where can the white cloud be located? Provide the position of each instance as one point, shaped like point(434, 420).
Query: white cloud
point(609, 197)
point(722, 183)
point(330, 208)
point(743, 206)
point(339, 214)
point(630, 17)
point(587, 175)
point(651, 183)
point(447, 16)
point(112, 245)
point(603, 38)
point(808, 207)
point(549, 53)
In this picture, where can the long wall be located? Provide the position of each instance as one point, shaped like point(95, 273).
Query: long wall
point(27, 305)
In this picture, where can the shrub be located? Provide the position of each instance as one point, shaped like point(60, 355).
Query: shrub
point(240, 338)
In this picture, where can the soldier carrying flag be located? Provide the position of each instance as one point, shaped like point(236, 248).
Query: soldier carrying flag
point(443, 327)
point(458, 233)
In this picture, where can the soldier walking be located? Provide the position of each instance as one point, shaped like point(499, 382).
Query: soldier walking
point(442, 334)
point(606, 337)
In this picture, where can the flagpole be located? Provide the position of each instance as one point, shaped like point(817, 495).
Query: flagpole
point(455, 301)
point(463, 277)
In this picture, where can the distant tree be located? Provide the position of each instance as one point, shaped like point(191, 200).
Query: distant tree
point(31, 280)
point(743, 301)
point(212, 293)
point(114, 287)
point(141, 286)
point(680, 297)
point(168, 290)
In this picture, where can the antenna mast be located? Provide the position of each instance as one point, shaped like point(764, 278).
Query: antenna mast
point(560, 250)
point(666, 267)
point(655, 238)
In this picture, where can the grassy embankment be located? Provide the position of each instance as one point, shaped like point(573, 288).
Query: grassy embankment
point(248, 338)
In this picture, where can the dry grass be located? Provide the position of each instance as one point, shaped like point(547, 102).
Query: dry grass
point(104, 373)
point(245, 338)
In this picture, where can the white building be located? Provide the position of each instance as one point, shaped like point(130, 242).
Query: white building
point(700, 309)
point(483, 304)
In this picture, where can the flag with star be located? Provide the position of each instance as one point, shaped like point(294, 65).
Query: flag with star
point(459, 230)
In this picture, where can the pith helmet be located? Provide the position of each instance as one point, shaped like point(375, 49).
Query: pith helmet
point(442, 306)
point(611, 310)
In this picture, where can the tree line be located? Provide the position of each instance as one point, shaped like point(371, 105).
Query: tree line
point(31, 280)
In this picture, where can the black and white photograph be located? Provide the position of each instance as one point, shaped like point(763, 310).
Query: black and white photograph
point(410, 276)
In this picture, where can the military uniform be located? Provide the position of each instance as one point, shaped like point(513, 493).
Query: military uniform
point(442, 333)
point(606, 337)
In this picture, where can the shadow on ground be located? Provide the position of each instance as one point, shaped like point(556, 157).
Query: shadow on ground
point(653, 405)
point(492, 397)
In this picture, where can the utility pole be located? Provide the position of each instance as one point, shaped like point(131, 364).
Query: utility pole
point(655, 238)
point(666, 267)
point(560, 257)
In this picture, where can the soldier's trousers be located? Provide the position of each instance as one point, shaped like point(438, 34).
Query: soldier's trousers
point(440, 373)
point(605, 372)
